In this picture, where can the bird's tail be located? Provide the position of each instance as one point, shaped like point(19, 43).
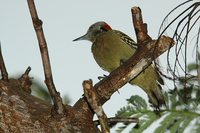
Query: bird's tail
point(149, 80)
point(156, 97)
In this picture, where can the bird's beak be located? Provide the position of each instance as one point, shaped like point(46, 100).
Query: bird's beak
point(84, 37)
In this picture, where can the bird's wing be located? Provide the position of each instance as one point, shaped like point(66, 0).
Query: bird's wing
point(133, 45)
point(126, 39)
point(157, 70)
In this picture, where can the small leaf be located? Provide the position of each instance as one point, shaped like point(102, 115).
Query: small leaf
point(192, 67)
point(138, 102)
point(185, 123)
point(145, 121)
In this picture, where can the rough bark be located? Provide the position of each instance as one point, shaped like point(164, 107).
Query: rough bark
point(23, 113)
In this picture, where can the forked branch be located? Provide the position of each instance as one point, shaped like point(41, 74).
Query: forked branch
point(37, 24)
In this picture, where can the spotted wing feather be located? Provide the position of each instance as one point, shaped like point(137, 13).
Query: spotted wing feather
point(126, 39)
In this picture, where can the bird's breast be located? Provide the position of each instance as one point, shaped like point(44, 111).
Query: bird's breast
point(108, 50)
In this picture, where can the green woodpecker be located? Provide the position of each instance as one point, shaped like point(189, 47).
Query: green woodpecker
point(110, 47)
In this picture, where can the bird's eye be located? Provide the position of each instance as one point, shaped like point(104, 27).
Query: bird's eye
point(102, 28)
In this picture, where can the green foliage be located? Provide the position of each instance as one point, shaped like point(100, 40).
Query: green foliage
point(138, 102)
point(175, 118)
point(41, 92)
point(66, 99)
point(192, 67)
point(181, 111)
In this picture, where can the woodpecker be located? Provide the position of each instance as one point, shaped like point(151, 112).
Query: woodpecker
point(111, 47)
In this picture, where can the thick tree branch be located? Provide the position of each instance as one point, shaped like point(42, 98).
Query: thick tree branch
point(37, 23)
point(115, 120)
point(130, 69)
point(24, 113)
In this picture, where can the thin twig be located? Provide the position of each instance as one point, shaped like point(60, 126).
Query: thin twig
point(94, 102)
point(139, 26)
point(25, 81)
point(114, 120)
point(184, 23)
point(4, 72)
point(37, 23)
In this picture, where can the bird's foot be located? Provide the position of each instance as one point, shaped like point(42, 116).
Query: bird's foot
point(122, 61)
point(102, 77)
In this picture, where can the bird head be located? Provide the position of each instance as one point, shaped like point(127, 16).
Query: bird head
point(95, 30)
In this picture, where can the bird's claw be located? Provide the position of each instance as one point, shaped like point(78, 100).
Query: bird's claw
point(102, 77)
point(122, 61)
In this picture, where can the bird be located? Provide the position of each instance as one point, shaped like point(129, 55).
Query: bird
point(110, 48)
